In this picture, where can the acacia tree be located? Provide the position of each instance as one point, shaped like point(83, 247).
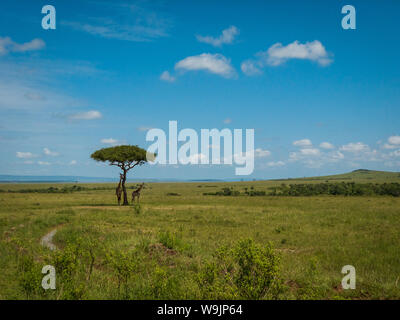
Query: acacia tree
point(125, 157)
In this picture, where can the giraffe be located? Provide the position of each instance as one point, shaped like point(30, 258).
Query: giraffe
point(136, 193)
point(118, 190)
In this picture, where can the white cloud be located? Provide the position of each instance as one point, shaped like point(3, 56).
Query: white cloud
point(227, 36)
point(48, 152)
point(213, 63)
point(389, 146)
point(251, 67)
point(86, 115)
point(165, 76)
point(310, 151)
point(394, 140)
point(302, 143)
point(278, 54)
point(25, 155)
point(275, 164)
point(327, 145)
point(354, 147)
point(110, 141)
point(7, 45)
point(144, 128)
point(260, 153)
point(337, 155)
point(128, 22)
point(28, 162)
point(314, 158)
point(73, 162)
point(314, 51)
point(43, 163)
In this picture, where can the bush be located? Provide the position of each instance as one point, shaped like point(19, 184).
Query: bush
point(163, 285)
point(246, 271)
point(173, 194)
point(124, 265)
point(170, 240)
point(74, 266)
point(69, 268)
point(223, 192)
point(29, 276)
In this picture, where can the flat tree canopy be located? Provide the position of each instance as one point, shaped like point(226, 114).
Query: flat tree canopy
point(126, 157)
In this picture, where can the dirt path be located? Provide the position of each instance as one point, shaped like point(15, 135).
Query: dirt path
point(47, 240)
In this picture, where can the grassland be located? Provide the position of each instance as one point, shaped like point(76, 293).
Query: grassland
point(170, 239)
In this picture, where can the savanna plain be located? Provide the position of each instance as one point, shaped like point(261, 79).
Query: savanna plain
point(200, 240)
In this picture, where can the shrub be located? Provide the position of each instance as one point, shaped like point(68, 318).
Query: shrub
point(246, 271)
point(163, 285)
point(169, 240)
point(70, 269)
point(125, 265)
point(29, 276)
point(74, 266)
point(223, 192)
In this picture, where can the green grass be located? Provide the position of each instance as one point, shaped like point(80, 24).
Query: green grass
point(158, 251)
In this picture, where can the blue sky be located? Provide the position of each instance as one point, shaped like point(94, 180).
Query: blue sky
point(322, 100)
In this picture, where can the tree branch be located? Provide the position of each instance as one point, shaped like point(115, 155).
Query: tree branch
point(114, 163)
point(132, 166)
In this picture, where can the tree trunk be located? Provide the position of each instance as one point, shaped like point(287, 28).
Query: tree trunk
point(126, 203)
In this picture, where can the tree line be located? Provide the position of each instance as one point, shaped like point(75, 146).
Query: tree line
point(315, 189)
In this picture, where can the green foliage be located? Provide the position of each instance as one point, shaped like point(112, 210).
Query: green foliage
point(125, 266)
point(169, 239)
point(121, 154)
point(255, 193)
point(65, 189)
point(29, 276)
point(223, 192)
point(246, 271)
point(74, 267)
point(343, 188)
point(311, 282)
point(163, 285)
point(313, 189)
